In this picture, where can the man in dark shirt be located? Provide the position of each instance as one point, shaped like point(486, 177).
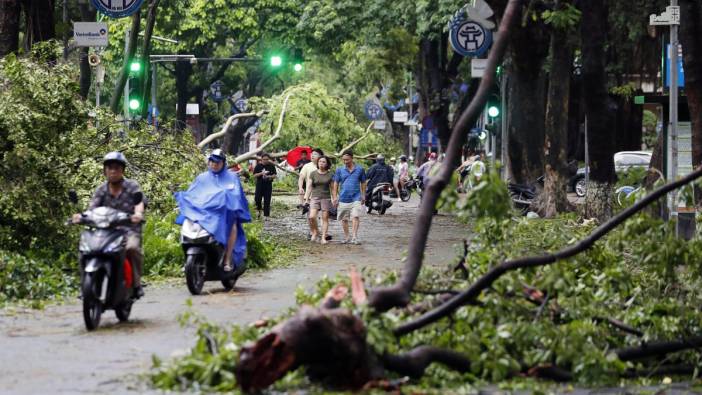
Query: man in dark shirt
point(265, 173)
point(303, 160)
point(378, 173)
point(118, 193)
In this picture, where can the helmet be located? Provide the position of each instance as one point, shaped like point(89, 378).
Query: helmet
point(380, 156)
point(115, 156)
point(217, 155)
point(403, 157)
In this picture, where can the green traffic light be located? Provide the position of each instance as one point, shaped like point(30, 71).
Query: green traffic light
point(134, 104)
point(297, 67)
point(135, 66)
point(493, 111)
point(276, 61)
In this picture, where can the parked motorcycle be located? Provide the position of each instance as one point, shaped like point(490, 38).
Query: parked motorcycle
point(204, 259)
point(106, 280)
point(379, 198)
point(523, 195)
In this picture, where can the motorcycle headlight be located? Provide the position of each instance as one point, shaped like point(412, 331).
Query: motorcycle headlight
point(115, 245)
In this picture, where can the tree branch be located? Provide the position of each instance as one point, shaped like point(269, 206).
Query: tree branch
point(353, 143)
point(250, 154)
point(383, 299)
point(226, 126)
point(496, 272)
point(415, 362)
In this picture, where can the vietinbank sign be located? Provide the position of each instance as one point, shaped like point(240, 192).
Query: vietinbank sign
point(117, 8)
point(90, 34)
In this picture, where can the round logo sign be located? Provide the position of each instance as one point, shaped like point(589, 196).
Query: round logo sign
point(373, 111)
point(117, 8)
point(470, 38)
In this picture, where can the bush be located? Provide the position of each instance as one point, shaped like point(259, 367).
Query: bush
point(34, 279)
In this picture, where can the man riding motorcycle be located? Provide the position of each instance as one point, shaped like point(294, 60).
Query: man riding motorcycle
point(378, 173)
point(118, 193)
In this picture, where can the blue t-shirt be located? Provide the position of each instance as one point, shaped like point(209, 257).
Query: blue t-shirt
point(350, 183)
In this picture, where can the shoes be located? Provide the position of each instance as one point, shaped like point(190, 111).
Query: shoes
point(139, 292)
point(355, 241)
point(345, 241)
point(323, 241)
point(327, 237)
point(227, 267)
point(314, 238)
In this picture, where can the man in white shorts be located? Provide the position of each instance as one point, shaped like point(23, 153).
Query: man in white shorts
point(349, 195)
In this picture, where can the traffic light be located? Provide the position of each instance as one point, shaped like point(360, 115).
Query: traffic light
point(135, 83)
point(276, 61)
point(297, 60)
point(493, 107)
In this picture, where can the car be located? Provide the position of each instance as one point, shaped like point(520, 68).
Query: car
point(623, 161)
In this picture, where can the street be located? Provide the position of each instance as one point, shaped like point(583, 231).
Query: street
point(49, 351)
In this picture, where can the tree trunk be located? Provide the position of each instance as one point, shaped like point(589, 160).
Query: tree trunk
point(528, 48)
point(124, 73)
point(629, 118)
point(146, 52)
point(690, 33)
point(87, 14)
point(9, 26)
point(598, 201)
point(434, 79)
point(39, 17)
point(182, 77)
point(553, 199)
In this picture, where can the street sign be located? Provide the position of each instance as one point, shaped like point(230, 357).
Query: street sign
point(428, 138)
point(118, 8)
point(216, 91)
point(380, 125)
point(681, 71)
point(400, 116)
point(90, 34)
point(671, 16)
point(469, 38)
point(477, 68)
point(373, 110)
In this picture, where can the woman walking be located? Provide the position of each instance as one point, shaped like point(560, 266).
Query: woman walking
point(318, 195)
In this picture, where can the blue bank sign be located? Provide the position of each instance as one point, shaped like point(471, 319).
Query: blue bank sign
point(117, 8)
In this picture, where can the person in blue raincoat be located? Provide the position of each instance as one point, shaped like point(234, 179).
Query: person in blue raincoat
point(216, 201)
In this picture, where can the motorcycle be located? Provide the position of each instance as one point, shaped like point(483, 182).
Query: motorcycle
point(204, 259)
point(376, 199)
point(523, 195)
point(107, 279)
point(405, 192)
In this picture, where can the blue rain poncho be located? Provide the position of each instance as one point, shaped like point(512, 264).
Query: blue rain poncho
point(216, 201)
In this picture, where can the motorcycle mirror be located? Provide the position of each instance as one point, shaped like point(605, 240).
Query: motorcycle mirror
point(73, 196)
point(138, 198)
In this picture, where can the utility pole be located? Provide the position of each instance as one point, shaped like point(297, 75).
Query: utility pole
point(671, 17)
point(673, 114)
point(411, 117)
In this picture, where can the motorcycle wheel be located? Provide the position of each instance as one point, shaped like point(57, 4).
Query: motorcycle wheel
point(405, 195)
point(92, 308)
point(580, 187)
point(229, 283)
point(195, 273)
point(123, 310)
